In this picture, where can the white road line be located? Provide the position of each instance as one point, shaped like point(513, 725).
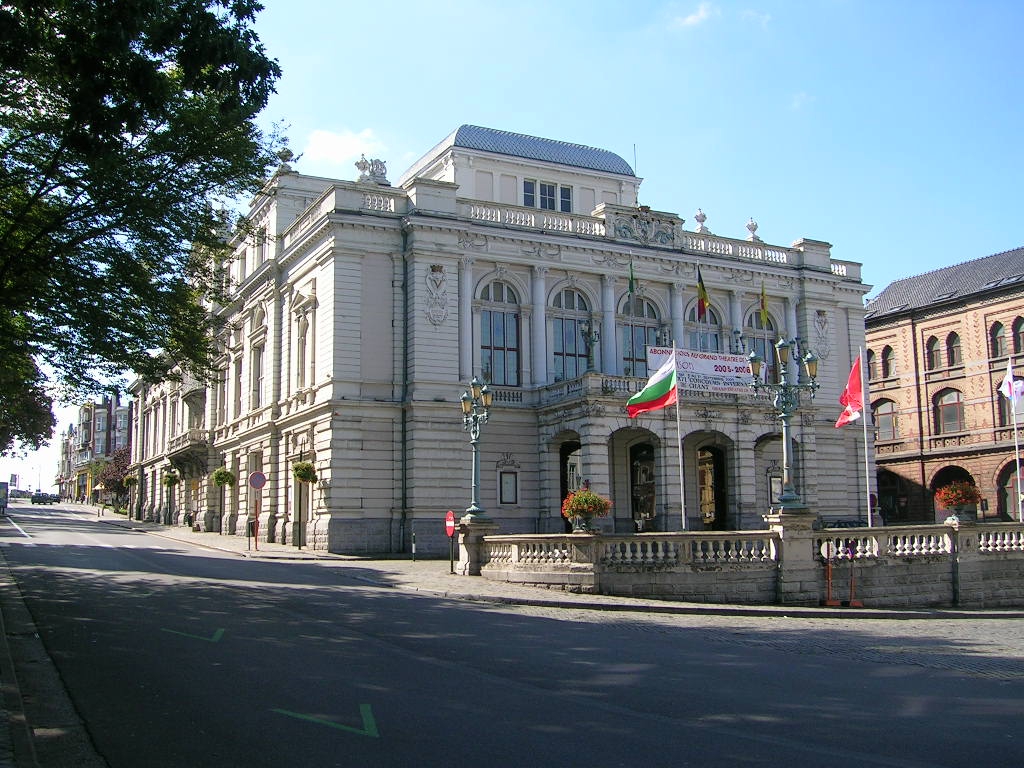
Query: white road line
point(21, 531)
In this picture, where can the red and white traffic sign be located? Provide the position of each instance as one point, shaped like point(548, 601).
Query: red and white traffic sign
point(449, 523)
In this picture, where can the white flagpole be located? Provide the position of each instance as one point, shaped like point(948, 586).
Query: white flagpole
point(865, 410)
point(1016, 455)
point(679, 440)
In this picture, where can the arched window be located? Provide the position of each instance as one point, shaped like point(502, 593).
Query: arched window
point(760, 338)
point(932, 354)
point(638, 329)
point(705, 335)
point(997, 340)
point(499, 335)
point(872, 365)
point(1006, 415)
point(888, 362)
point(953, 356)
point(884, 414)
point(949, 412)
point(1018, 335)
point(570, 309)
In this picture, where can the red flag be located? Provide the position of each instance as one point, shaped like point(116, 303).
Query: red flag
point(852, 397)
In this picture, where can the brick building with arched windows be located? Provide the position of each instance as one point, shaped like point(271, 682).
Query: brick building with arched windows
point(938, 348)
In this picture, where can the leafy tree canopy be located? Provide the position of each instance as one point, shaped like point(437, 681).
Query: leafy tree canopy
point(113, 472)
point(122, 124)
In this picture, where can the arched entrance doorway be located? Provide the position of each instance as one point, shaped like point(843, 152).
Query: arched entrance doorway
point(945, 476)
point(570, 473)
point(712, 487)
point(1006, 494)
point(641, 486)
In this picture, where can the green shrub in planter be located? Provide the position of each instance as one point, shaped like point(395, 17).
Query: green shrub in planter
point(171, 479)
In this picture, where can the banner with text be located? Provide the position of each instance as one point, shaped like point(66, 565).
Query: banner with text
point(704, 371)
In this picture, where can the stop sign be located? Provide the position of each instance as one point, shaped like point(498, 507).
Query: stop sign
point(449, 523)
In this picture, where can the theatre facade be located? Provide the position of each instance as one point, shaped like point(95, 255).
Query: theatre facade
point(363, 309)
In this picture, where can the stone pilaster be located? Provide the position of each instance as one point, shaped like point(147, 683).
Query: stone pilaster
point(798, 576)
point(471, 538)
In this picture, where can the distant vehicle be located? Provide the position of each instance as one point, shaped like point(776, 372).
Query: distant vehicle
point(43, 498)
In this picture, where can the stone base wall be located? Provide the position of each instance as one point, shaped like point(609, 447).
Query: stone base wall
point(915, 567)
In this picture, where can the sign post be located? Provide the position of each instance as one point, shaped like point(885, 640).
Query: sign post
point(252, 528)
point(449, 528)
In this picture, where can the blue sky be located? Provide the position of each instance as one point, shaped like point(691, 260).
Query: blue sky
point(890, 129)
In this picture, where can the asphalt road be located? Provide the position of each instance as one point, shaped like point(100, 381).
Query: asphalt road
point(178, 656)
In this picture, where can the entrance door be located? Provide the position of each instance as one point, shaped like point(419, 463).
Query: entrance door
point(711, 479)
point(570, 473)
point(641, 486)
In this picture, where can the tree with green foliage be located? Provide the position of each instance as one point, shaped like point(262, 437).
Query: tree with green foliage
point(123, 124)
point(113, 472)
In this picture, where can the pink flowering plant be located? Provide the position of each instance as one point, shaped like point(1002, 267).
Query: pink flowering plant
point(585, 503)
point(957, 494)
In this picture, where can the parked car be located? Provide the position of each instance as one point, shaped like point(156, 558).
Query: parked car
point(43, 498)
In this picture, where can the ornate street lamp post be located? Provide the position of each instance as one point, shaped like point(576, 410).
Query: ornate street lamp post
point(476, 405)
point(786, 401)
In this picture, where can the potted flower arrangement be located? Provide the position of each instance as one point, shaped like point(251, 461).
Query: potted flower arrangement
point(304, 472)
point(959, 496)
point(171, 479)
point(582, 506)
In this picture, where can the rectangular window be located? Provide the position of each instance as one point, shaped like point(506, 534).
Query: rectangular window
point(509, 488)
point(547, 196)
point(529, 193)
point(499, 348)
point(257, 378)
point(565, 199)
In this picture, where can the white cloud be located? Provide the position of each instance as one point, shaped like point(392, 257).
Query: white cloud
point(333, 154)
point(799, 100)
point(757, 18)
point(703, 13)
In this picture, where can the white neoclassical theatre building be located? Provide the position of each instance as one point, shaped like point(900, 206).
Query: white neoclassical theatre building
point(363, 309)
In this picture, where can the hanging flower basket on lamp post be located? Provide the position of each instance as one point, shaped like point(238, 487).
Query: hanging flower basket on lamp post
point(304, 472)
point(582, 506)
point(223, 476)
point(171, 479)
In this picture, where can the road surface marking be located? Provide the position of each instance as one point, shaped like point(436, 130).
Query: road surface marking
point(369, 724)
point(214, 639)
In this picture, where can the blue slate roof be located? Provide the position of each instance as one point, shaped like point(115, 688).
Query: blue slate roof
point(533, 148)
point(991, 273)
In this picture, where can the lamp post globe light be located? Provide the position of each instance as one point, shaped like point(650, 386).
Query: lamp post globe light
point(476, 406)
point(786, 401)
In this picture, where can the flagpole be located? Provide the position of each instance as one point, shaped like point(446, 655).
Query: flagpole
point(679, 443)
point(1016, 456)
point(867, 409)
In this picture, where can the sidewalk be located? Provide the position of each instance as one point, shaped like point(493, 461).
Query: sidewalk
point(433, 576)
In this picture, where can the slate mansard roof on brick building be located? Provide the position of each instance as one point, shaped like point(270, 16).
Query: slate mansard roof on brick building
point(949, 283)
point(531, 147)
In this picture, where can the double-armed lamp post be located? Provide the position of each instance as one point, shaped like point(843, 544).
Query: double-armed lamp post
point(786, 401)
point(476, 405)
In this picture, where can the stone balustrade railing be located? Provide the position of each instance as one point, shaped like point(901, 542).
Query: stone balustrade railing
point(956, 563)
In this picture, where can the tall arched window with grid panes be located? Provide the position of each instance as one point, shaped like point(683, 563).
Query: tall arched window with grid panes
point(638, 329)
point(949, 412)
point(704, 334)
point(760, 337)
point(569, 310)
point(500, 350)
